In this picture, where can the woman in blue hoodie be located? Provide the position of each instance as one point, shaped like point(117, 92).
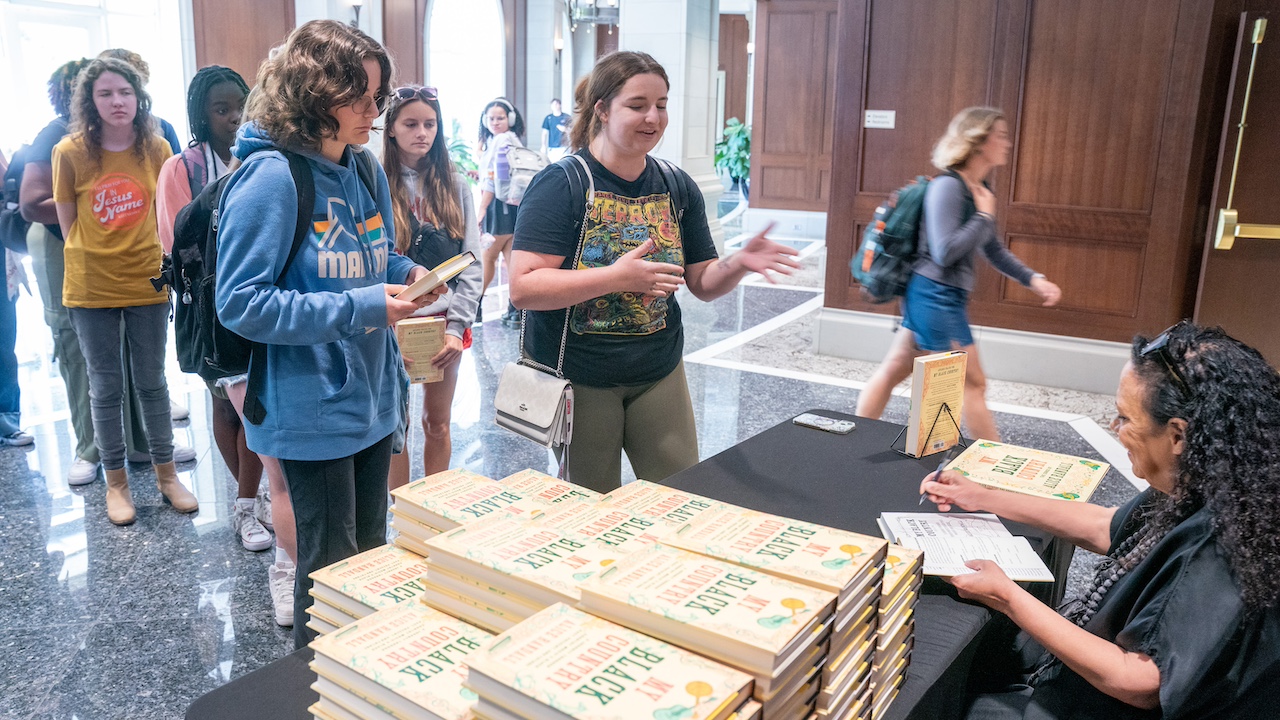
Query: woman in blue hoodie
point(334, 385)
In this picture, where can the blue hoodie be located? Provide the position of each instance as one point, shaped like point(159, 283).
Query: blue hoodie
point(333, 384)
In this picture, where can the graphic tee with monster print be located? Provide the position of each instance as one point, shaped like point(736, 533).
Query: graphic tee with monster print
point(620, 338)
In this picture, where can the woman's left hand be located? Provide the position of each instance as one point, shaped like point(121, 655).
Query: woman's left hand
point(449, 354)
point(426, 299)
point(762, 255)
point(1047, 291)
point(988, 585)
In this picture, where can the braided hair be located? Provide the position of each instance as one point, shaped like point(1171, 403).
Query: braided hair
point(198, 98)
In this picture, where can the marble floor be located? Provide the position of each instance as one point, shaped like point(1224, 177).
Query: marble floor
point(136, 622)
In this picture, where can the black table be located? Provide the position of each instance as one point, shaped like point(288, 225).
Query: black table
point(844, 481)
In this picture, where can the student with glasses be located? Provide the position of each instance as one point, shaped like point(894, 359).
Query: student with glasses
point(1182, 617)
point(331, 397)
point(435, 219)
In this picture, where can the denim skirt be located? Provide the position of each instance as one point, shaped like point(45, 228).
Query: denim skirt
point(938, 314)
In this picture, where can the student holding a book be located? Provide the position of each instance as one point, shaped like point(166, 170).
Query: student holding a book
point(433, 209)
point(625, 341)
point(958, 222)
point(1182, 617)
point(330, 404)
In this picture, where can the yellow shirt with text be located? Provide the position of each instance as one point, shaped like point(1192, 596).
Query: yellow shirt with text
point(113, 250)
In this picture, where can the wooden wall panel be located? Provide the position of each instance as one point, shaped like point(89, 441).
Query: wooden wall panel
point(735, 33)
point(403, 24)
point(1090, 128)
point(1080, 267)
point(794, 98)
point(223, 37)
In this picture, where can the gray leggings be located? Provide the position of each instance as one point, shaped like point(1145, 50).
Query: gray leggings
point(146, 331)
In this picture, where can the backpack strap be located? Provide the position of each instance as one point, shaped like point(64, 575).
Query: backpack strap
point(675, 187)
point(303, 180)
point(581, 185)
point(367, 169)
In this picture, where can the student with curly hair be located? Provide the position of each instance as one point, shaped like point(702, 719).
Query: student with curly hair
point(104, 183)
point(164, 127)
point(331, 400)
point(1182, 617)
point(430, 197)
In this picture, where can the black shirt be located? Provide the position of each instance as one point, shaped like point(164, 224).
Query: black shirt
point(42, 152)
point(555, 125)
point(620, 338)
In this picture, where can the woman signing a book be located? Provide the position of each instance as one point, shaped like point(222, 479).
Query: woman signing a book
point(435, 220)
point(625, 339)
point(958, 222)
point(1182, 618)
point(329, 403)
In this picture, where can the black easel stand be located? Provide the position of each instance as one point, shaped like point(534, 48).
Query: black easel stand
point(944, 408)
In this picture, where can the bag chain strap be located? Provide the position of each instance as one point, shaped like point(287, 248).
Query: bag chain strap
point(558, 371)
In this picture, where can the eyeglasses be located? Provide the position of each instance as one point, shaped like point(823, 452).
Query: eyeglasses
point(1159, 347)
point(422, 93)
point(364, 102)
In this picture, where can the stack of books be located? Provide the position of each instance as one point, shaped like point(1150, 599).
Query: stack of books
point(401, 662)
point(563, 663)
point(776, 630)
point(496, 572)
point(895, 639)
point(605, 523)
point(847, 564)
point(446, 500)
point(668, 506)
point(353, 588)
point(543, 488)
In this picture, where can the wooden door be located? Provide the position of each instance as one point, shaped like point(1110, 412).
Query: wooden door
point(240, 33)
point(734, 36)
point(1238, 286)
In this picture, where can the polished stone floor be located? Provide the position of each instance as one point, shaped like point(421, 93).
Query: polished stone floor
point(136, 622)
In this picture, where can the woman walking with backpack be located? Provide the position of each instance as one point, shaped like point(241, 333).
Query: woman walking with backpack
point(959, 220)
point(328, 402)
point(104, 182)
point(435, 220)
point(500, 126)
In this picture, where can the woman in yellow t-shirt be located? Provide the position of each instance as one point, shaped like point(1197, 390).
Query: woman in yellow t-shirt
point(104, 183)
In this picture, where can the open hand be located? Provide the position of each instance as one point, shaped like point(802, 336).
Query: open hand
point(949, 488)
point(762, 255)
point(646, 277)
point(988, 584)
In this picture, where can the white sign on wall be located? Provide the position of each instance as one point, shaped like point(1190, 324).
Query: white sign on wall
point(882, 119)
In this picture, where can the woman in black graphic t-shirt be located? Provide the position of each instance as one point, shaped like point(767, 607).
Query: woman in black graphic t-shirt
point(625, 341)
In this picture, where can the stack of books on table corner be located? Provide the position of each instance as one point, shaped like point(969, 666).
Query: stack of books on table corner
point(848, 564)
point(362, 584)
point(563, 663)
point(407, 661)
point(895, 639)
point(776, 630)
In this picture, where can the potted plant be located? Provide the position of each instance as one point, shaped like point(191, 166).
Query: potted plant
point(460, 154)
point(733, 154)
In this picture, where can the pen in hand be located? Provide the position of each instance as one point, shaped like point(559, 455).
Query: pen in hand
point(946, 456)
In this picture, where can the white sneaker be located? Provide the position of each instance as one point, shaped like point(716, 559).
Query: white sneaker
point(177, 412)
point(181, 454)
point(280, 579)
point(262, 507)
point(82, 472)
point(252, 535)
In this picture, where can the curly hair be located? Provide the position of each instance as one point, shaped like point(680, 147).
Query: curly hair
point(130, 57)
point(515, 121)
point(319, 67)
point(84, 112)
point(439, 189)
point(966, 132)
point(198, 98)
point(1231, 460)
point(602, 85)
point(62, 85)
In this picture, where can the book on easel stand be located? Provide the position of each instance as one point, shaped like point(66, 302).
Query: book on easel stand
point(937, 390)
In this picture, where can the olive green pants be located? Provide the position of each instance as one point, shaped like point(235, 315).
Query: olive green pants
point(652, 423)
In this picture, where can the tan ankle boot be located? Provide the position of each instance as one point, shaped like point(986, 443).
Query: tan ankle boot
point(119, 500)
point(181, 498)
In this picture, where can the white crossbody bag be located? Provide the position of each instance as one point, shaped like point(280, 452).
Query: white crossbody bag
point(534, 400)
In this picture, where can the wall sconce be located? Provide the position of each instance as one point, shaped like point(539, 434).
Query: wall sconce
point(559, 46)
point(356, 5)
point(751, 48)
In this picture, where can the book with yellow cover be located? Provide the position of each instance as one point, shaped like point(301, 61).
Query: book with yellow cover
point(936, 380)
point(606, 524)
point(451, 498)
point(564, 663)
point(1034, 472)
point(667, 505)
point(420, 339)
point(542, 564)
point(370, 581)
point(903, 567)
point(545, 488)
point(407, 659)
point(735, 614)
point(437, 276)
point(824, 557)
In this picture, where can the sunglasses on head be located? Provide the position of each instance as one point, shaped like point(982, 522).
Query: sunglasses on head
point(422, 93)
point(1159, 348)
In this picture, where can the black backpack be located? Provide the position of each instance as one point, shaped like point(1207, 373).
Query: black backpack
point(13, 228)
point(204, 345)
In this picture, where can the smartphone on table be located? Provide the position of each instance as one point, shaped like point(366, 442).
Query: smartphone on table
point(822, 422)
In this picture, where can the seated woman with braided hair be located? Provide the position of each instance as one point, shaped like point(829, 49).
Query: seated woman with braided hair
point(1181, 619)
